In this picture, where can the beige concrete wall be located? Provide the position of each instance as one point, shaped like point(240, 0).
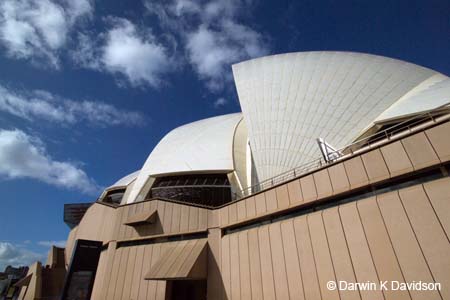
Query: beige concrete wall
point(120, 274)
point(34, 289)
point(401, 235)
point(172, 218)
point(416, 152)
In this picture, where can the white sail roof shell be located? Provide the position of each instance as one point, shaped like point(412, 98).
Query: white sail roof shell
point(202, 146)
point(125, 181)
point(431, 93)
point(290, 100)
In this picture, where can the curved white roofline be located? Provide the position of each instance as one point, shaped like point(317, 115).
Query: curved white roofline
point(201, 146)
point(289, 100)
point(124, 181)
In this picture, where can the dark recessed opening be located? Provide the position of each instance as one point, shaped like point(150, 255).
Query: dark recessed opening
point(204, 189)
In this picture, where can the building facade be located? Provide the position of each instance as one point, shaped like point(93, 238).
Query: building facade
point(252, 206)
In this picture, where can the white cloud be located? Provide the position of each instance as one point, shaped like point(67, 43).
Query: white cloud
point(140, 58)
point(76, 9)
point(24, 156)
point(181, 7)
point(217, 39)
point(13, 255)
point(125, 50)
point(220, 102)
point(31, 29)
point(211, 52)
point(46, 106)
point(60, 244)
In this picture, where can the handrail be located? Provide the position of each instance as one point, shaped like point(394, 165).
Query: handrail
point(350, 149)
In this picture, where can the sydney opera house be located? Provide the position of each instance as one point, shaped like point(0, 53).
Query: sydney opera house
point(337, 170)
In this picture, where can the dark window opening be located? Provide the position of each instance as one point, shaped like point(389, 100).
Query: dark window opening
point(82, 269)
point(114, 196)
point(186, 289)
point(204, 189)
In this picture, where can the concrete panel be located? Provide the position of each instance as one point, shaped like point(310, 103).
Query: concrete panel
point(266, 264)
point(406, 247)
point(380, 246)
point(324, 265)
point(193, 218)
point(147, 288)
point(278, 261)
point(214, 282)
point(271, 200)
point(122, 271)
point(339, 252)
point(224, 220)
point(375, 166)
point(232, 210)
point(294, 276)
point(69, 245)
point(156, 289)
point(438, 192)
point(202, 219)
point(138, 265)
point(244, 266)
point(130, 231)
point(439, 138)
point(430, 235)
point(308, 188)
point(234, 267)
point(323, 184)
point(129, 273)
point(114, 274)
point(160, 284)
point(250, 206)
point(241, 210)
point(121, 233)
point(396, 159)
point(306, 257)
point(295, 192)
point(213, 218)
point(255, 264)
point(105, 280)
point(99, 276)
point(338, 177)
point(359, 250)
point(356, 172)
point(184, 222)
point(226, 268)
point(282, 196)
point(161, 207)
point(167, 219)
point(176, 218)
point(420, 151)
point(260, 200)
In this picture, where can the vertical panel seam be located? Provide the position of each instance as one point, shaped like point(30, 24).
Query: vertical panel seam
point(434, 210)
point(329, 250)
point(348, 248)
point(284, 257)
point(368, 245)
point(314, 256)
point(392, 244)
point(248, 257)
point(417, 240)
point(298, 258)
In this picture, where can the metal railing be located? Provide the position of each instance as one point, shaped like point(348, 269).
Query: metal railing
point(347, 150)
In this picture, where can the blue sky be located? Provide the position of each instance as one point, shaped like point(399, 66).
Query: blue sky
point(87, 88)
